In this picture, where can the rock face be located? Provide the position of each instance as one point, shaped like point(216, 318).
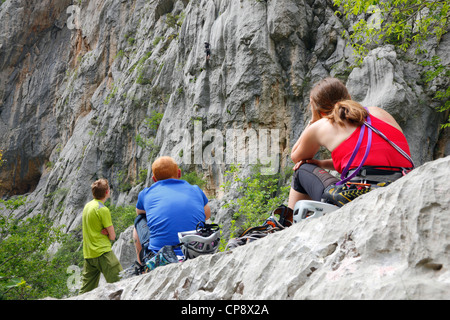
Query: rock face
point(99, 88)
point(392, 243)
point(83, 88)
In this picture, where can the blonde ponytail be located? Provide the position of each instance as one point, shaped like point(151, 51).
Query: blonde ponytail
point(348, 110)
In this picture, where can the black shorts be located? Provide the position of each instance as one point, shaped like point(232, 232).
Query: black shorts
point(312, 180)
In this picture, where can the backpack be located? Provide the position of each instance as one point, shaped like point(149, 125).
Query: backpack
point(149, 259)
point(166, 255)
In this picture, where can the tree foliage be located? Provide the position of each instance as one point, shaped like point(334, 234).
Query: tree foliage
point(402, 23)
point(397, 22)
point(260, 195)
point(27, 269)
point(1, 158)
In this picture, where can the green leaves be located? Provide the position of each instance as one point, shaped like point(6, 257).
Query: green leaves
point(438, 71)
point(399, 22)
point(402, 23)
point(260, 195)
point(14, 282)
point(122, 217)
point(27, 271)
point(13, 203)
point(1, 158)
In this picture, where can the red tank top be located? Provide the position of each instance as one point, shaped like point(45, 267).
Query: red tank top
point(381, 152)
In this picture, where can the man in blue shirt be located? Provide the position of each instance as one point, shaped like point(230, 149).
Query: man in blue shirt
point(170, 206)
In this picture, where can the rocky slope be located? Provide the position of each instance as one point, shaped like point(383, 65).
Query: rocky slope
point(83, 87)
point(392, 243)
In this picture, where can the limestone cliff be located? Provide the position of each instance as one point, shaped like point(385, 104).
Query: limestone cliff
point(99, 88)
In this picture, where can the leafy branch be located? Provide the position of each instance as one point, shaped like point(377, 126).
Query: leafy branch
point(398, 22)
point(402, 23)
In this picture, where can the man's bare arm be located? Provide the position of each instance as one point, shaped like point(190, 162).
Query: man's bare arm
point(207, 212)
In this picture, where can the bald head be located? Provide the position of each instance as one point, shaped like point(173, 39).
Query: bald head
point(165, 168)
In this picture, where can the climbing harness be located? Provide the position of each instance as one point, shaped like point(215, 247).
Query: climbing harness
point(368, 124)
point(361, 180)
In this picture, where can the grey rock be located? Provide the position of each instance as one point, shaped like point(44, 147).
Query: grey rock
point(73, 102)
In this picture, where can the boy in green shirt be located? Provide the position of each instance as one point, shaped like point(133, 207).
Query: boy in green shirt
point(98, 230)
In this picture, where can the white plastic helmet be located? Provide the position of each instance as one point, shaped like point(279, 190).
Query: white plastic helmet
point(204, 240)
point(308, 209)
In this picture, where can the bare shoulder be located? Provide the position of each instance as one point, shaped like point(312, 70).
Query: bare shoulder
point(330, 135)
point(385, 116)
point(322, 127)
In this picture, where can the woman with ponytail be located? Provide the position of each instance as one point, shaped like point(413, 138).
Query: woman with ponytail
point(336, 124)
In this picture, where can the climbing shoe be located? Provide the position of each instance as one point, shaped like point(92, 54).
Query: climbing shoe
point(345, 193)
